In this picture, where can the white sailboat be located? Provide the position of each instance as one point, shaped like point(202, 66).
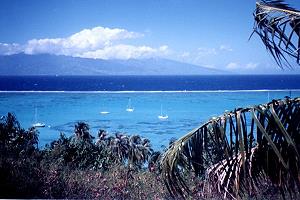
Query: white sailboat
point(162, 116)
point(104, 112)
point(37, 124)
point(129, 107)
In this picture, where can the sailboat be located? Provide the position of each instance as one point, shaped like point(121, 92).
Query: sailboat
point(161, 116)
point(37, 124)
point(104, 112)
point(129, 107)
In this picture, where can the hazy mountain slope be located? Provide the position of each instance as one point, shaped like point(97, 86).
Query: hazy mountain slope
point(44, 64)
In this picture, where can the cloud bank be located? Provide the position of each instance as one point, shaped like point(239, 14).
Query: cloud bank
point(113, 43)
point(98, 43)
point(10, 49)
point(233, 66)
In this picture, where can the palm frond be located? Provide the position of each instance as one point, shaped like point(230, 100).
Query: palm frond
point(278, 26)
point(239, 150)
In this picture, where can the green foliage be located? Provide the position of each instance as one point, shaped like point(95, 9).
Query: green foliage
point(278, 26)
point(19, 159)
point(80, 152)
point(73, 167)
point(14, 140)
point(239, 151)
point(82, 132)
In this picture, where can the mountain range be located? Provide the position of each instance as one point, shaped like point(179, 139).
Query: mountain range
point(46, 64)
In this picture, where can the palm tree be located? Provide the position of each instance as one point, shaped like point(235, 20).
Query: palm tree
point(278, 26)
point(82, 132)
point(240, 150)
point(119, 147)
point(139, 151)
point(15, 139)
point(237, 152)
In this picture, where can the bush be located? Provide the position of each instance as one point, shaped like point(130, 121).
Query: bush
point(113, 167)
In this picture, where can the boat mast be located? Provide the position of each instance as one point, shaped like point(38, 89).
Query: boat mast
point(129, 103)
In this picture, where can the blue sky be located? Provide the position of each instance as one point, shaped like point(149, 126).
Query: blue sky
point(209, 33)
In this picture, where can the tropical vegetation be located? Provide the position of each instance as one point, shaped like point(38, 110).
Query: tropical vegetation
point(278, 26)
point(110, 167)
point(239, 152)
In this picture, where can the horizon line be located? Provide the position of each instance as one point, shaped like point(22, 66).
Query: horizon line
point(149, 91)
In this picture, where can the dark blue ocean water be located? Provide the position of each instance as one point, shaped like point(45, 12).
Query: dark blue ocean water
point(149, 83)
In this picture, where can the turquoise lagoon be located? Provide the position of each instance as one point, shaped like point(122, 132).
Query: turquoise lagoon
point(186, 110)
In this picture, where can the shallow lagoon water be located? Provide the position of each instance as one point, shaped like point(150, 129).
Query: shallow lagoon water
point(186, 110)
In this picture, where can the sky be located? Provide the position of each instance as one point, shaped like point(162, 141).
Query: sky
point(209, 33)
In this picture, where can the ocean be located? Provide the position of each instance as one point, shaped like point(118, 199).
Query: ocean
point(149, 83)
point(189, 101)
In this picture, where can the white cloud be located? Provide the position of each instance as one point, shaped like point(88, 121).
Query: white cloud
point(164, 48)
point(242, 67)
point(52, 46)
point(232, 66)
point(79, 43)
point(98, 42)
point(251, 66)
point(112, 43)
point(225, 48)
point(123, 51)
point(10, 49)
point(206, 51)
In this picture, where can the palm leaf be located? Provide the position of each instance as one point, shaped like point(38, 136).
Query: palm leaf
point(278, 26)
point(239, 150)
